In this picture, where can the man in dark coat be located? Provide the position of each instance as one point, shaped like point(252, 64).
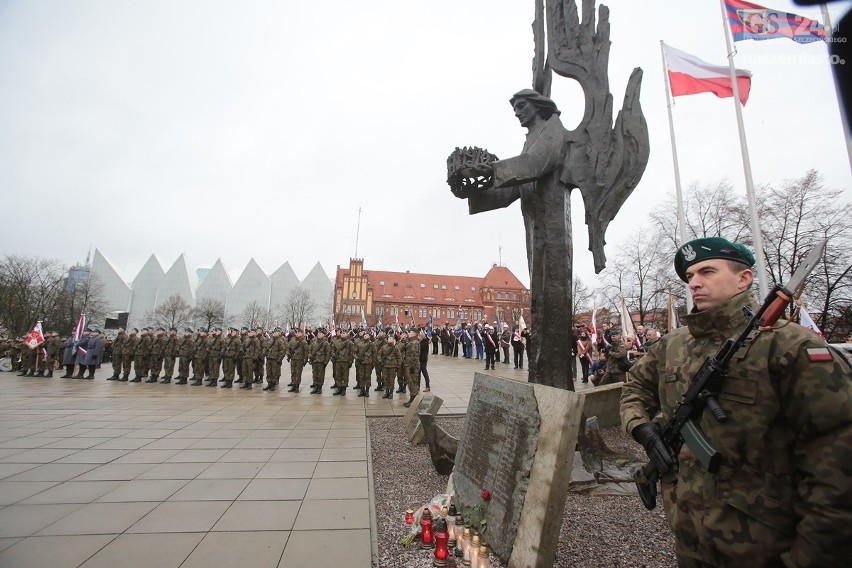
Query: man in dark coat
point(94, 351)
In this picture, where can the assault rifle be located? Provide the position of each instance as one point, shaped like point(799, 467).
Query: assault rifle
point(706, 385)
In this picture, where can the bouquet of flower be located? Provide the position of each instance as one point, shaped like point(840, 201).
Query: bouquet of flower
point(434, 506)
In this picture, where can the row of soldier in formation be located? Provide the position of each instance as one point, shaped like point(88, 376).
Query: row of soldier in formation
point(245, 355)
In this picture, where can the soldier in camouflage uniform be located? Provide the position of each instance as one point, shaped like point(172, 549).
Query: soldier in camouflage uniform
point(297, 354)
point(170, 353)
point(158, 352)
point(230, 350)
point(783, 493)
point(201, 350)
point(186, 350)
point(54, 347)
point(319, 357)
point(243, 338)
point(141, 356)
point(259, 362)
point(342, 357)
point(364, 358)
point(378, 343)
point(400, 371)
point(250, 352)
point(118, 346)
point(214, 356)
point(617, 364)
point(411, 365)
point(389, 358)
point(274, 358)
point(129, 352)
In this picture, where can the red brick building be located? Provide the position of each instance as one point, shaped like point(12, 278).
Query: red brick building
point(411, 297)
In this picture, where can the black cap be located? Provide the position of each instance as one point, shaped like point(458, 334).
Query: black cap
point(188, 330)
point(172, 329)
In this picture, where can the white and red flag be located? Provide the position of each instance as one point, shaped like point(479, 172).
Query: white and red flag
point(78, 333)
point(593, 325)
point(35, 337)
point(689, 75)
point(627, 324)
point(806, 320)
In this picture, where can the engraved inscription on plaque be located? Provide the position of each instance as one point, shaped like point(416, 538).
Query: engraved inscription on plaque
point(496, 452)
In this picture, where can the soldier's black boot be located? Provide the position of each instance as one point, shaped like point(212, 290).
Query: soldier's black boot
point(407, 404)
point(357, 387)
point(388, 393)
point(40, 373)
point(166, 380)
point(401, 388)
point(294, 388)
point(342, 391)
point(80, 372)
point(151, 379)
point(335, 390)
point(246, 385)
point(228, 384)
point(239, 380)
point(269, 387)
point(113, 378)
point(315, 389)
point(49, 374)
point(123, 378)
point(135, 379)
point(211, 383)
point(364, 392)
point(379, 387)
point(180, 380)
point(195, 383)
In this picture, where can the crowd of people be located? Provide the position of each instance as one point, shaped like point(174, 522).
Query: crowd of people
point(608, 359)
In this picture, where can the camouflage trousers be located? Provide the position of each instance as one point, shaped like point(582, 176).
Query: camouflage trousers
point(388, 373)
point(213, 367)
point(228, 368)
point(183, 367)
point(117, 360)
point(273, 371)
point(168, 366)
point(156, 366)
point(379, 379)
point(341, 374)
point(318, 373)
point(199, 367)
point(126, 363)
point(258, 368)
point(400, 376)
point(247, 367)
point(363, 372)
point(412, 378)
point(296, 366)
point(141, 365)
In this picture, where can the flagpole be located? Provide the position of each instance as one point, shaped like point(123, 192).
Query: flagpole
point(681, 217)
point(762, 277)
point(829, 32)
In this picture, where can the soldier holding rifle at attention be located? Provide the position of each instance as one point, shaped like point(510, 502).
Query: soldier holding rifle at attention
point(754, 457)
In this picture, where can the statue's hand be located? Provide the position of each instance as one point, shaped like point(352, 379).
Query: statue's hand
point(479, 170)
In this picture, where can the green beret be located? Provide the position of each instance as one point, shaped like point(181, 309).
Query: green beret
point(708, 248)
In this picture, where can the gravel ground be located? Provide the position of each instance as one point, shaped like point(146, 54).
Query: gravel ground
point(597, 531)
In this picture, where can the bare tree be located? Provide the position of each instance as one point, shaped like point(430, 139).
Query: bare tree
point(582, 295)
point(174, 312)
point(299, 307)
point(641, 273)
point(29, 289)
point(209, 312)
point(796, 217)
point(709, 209)
point(76, 297)
point(254, 315)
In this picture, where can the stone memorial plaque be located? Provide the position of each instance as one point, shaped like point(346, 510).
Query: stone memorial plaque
point(518, 443)
point(423, 403)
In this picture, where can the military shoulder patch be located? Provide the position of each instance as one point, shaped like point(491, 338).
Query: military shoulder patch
point(819, 354)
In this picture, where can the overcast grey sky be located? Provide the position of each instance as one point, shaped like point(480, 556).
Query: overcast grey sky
point(257, 129)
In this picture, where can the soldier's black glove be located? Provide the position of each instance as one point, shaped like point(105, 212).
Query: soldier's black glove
point(648, 435)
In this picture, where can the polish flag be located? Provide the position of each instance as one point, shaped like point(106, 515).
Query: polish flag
point(35, 337)
point(805, 320)
point(689, 75)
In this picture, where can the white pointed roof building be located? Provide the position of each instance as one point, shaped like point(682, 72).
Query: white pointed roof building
point(144, 296)
point(321, 289)
point(283, 281)
point(178, 280)
point(115, 291)
point(216, 284)
point(252, 287)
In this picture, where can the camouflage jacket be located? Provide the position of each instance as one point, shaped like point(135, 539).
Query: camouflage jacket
point(783, 493)
point(186, 347)
point(215, 346)
point(320, 352)
point(389, 356)
point(411, 352)
point(342, 350)
point(364, 351)
point(131, 345)
point(277, 349)
point(143, 347)
point(201, 347)
point(231, 348)
point(297, 350)
point(171, 349)
point(118, 344)
point(158, 346)
point(251, 348)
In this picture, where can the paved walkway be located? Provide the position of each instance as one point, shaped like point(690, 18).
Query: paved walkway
point(97, 473)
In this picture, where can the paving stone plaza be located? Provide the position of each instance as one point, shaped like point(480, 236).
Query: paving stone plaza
point(97, 473)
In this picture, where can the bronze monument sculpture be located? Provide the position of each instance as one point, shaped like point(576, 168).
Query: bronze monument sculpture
point(603, 161)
